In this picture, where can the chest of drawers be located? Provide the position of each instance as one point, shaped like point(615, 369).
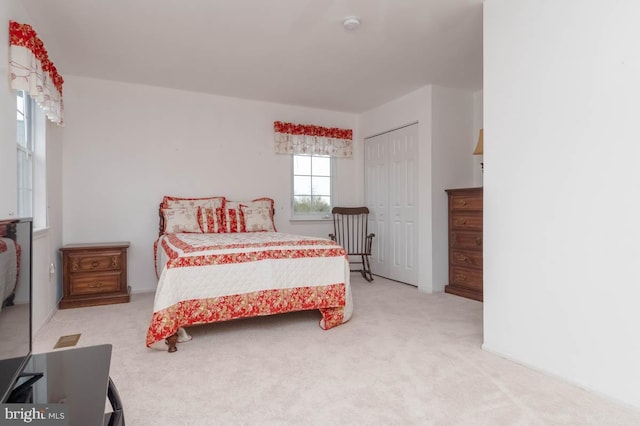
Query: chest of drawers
point(94, 274)
point(465, 243)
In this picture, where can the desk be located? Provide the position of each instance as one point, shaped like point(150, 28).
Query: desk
point(78, 378)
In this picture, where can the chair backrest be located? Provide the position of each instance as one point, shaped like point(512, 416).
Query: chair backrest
point(350, 229)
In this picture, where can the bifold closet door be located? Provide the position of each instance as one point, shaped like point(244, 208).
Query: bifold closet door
point(377, 196)
point(392, 196)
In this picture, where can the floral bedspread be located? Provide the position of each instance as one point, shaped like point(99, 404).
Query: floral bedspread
point(206, 278)
point(9, 263)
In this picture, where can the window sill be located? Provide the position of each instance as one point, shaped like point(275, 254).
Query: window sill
point(326, 218)
point(40, 232)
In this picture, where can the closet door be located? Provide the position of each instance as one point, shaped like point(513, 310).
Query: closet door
point(391, 167)
point(377, 196)
point(403, 204)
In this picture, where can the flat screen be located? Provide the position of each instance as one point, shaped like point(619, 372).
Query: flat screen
point(15, 294)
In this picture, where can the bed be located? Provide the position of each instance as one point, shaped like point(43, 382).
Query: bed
point(9, 263)
point(219, 260)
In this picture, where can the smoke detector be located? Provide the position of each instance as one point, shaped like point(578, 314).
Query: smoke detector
point(351, 23)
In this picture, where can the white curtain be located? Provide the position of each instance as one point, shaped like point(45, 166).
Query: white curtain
point(293, 138)
point(32, 71)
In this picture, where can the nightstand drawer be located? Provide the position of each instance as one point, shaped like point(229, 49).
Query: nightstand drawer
point(82, 284)
point(95, 262)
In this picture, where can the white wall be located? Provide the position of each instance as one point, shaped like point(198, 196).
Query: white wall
point(9, 10)
point(46, 243)
point(452, 143)
point(128, 145)
point(562, 189)
point(477, 125)
point(445, 127)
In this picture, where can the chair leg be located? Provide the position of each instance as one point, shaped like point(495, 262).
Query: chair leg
point(366, 268)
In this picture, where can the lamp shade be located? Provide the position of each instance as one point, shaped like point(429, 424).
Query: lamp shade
point(478, 150)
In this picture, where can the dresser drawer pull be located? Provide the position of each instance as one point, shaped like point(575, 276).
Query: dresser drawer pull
point(478, 241)
point(461, 258)
point(95, 264)
point(95, 284)
point(462, 203)
point(461, 277)
point(460, 221)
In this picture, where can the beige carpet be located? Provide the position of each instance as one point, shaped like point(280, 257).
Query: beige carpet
point(405, 358)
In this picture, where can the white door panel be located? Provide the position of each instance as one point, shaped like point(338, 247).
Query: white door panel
point(392, 196)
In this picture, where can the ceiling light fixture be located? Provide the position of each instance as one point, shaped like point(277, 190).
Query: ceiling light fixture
point(351, 23)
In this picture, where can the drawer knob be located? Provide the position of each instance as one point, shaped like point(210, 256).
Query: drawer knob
point(460, 221)
point(461, 277)
point(461, 258)
point(114, 262)
point(478, 241)
point(462, 203)
point(94, 264)
point(95, 284)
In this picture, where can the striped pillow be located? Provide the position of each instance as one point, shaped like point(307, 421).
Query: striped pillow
point(211, 220)
point(233, 217)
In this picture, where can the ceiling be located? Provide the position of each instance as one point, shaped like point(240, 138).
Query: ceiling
point(286, 51)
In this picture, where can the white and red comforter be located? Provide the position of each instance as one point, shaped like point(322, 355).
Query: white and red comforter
point(206, 278)
point(9, 263)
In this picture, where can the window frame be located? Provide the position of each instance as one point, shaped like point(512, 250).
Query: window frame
point(26, 151)
point(32, 199)
point(313, 216)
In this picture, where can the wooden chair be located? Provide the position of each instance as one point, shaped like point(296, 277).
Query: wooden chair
point(351, 232)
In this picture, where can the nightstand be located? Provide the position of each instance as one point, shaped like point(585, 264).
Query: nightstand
point(94, 274)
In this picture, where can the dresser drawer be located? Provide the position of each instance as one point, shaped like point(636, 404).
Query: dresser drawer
point(104, 261)
point(471, 221)
point(463, 201)
point(83, 284)
point(466, 240)
point(466, 258)
point(465, 277)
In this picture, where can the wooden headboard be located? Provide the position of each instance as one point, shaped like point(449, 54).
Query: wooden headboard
point(161, 223)
point(8, 229)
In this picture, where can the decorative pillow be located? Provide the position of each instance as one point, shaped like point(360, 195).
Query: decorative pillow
point(257, 219)
point(263, 202)
point(233, 217)
point(211, 220)
point(194, 203)
point(180, 220)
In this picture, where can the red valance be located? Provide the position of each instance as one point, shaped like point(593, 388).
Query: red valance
point(291, 138)
point(311, 130)
point(33, 71)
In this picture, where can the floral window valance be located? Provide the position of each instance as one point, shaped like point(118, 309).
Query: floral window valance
point(293, 138)
point(32, 71)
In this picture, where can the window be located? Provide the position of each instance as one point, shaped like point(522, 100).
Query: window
point(25, 155)
point(31, 164)
point(312, 186)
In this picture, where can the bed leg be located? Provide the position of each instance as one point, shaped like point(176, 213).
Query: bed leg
point(172, 342)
